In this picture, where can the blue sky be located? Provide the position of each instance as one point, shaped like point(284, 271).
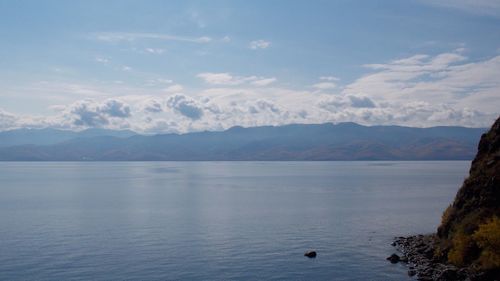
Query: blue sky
point(180, 66)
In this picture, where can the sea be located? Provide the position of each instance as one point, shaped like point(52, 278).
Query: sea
point(216, 220)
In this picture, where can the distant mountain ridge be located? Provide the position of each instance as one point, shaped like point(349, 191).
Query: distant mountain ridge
point(48, 136)
point(343, 141)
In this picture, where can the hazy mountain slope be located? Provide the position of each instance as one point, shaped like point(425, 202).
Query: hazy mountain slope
point(345, 141)
point(53, 136)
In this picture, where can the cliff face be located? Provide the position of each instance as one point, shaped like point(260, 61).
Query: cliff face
point(470, 229)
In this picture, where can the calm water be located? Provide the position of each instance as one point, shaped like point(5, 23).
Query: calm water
point(216, 220)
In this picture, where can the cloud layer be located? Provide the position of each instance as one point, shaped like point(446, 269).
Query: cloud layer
point(420, 90)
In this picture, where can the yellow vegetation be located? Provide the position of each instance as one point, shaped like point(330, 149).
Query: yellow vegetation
point(485, 242)
point(447, 214)
point(487, 237)
point(462, 243)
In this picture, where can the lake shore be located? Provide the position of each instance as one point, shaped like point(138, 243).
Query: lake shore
point(418, 252)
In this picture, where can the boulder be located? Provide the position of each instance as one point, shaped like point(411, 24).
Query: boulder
point(310, 254)
point(412, 272)
point(394, 258)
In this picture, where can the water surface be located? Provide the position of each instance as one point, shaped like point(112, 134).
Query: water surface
point(215, 220)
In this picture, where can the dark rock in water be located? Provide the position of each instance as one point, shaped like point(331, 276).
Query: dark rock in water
point(310, 254)
point(412, 272)
point(394, 258)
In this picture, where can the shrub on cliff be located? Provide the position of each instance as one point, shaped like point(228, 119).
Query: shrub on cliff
point(487, 238)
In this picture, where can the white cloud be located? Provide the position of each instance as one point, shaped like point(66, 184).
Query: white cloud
point(152, 106)
point(443, 79)
point(259, 44)
point(159, 125)
point(7, 120)
point(361, 102)
point(204, 39)
point(324, 85)
point(90, 113)
point(102, 60)
point(264, 82)
point(419, 90)
point(340, 103)
point(50, 88)
point(158, 81)
point(107, 62)
point(185, 106)
point(329, 78)
point(154, 51)
point(130, 36)
point(115, 108)
point(217, 78)
point(176, 88)
point(228, 79)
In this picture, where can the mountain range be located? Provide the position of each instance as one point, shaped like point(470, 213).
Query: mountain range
point(343, 141)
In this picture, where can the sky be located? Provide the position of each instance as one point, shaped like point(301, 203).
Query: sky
point(184, 66)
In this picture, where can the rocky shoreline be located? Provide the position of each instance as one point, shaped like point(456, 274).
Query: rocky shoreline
point(418, 253)
point(469, 233)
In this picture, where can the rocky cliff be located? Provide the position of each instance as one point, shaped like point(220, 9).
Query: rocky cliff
point(469, 234)
point(467, 243)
